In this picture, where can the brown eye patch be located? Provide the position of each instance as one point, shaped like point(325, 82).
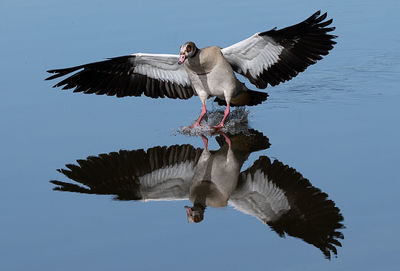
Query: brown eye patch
point(188, 48)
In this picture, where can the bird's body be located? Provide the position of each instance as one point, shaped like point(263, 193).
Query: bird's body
point(215, 177)
point(266, 58)
point(211, 75)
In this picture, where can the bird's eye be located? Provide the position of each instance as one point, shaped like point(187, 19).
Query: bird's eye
point(188, 48)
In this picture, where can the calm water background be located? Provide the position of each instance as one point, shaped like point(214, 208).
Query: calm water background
point(337, 124)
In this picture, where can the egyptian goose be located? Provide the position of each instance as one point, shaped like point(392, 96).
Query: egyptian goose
point(272, 192)
point(266, 58)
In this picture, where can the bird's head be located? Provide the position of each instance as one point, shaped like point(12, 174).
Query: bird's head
point(195, 214)
point(187, 50)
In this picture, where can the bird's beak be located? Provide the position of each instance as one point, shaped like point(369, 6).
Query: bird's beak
point(189, 214)
point(182, 58)
point(188, 210)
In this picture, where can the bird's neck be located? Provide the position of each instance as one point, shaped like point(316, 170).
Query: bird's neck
point(196, 51)
point(201, 206)
point(200, 200)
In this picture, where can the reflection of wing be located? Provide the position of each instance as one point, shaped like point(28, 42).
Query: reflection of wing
point(161, 173)
point(280, 196)
point(259, 197)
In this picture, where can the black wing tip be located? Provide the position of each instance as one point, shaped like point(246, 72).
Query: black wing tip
point(61, 72)
point(315, 20)
point(56, 182)
point(316, 14)
point(318, 19)
point(65, 71)
point(51, 77)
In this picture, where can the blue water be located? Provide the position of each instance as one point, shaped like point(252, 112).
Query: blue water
point(336, 124)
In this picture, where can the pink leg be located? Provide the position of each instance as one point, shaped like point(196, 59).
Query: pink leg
point(205, 141)
point(227, 140)
point(203, 112)
point(226, 113)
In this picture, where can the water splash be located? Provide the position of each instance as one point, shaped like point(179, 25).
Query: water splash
point(237, 122)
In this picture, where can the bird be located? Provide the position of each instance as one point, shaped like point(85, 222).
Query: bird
point(265, 58)
point(270, 191)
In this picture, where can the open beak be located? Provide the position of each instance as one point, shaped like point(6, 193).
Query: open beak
point(182, 58)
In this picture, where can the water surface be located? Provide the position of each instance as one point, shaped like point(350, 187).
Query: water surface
point(336, 124)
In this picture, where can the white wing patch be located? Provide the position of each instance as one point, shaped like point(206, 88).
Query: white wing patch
point(169, 183)
point(261, 198)
point(253, 55)
point(163, 67)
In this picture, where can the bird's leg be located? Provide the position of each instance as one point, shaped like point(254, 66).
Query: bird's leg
point(203, 112)
point(226, 113)
point(205, 141)
point(227, 140)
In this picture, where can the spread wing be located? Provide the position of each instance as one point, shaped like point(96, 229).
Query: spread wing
point(161, 173)
point(258, 195)
point(275, 56)
point(154, 75)
point(280, 197)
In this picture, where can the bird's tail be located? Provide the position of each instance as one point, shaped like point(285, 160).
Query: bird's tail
point(249, 97)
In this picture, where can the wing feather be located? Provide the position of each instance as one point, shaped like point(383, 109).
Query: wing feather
point(161, 173)
point(131, 75)
point(275, 56)
point(259, 197)
point(286, 201)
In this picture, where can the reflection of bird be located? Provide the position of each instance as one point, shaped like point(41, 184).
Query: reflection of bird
point(269, 57)
point(216, 173)
point(272, 192)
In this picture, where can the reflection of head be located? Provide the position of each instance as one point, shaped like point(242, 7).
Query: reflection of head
point(196, 213)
